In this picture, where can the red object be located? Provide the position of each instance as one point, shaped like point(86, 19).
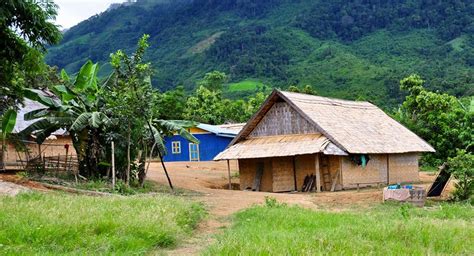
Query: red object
point(66, 146)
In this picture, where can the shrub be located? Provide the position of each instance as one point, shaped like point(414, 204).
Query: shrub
point(462, 168)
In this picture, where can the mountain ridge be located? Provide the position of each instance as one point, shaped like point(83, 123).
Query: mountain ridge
point(346, 49)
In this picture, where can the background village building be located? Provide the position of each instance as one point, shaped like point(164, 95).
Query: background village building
point(339, 144)
point(21, 150)
point(213, 139)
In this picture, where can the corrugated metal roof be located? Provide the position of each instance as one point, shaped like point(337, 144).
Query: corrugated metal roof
point(275, 146)
point(29, 106)
point(219, 131)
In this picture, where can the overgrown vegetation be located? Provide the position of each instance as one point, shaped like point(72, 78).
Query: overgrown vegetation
point(448, 125)
point(26, 28)
point(462, 168)
point(51, 224)
point(278, 229)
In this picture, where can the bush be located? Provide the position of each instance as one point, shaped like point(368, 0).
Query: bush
point(462, 168)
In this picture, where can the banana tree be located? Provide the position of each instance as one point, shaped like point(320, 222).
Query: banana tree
point(75, 107)
point(158, 130)
point(8, 123)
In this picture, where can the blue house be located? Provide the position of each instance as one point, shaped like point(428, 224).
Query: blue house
point(213, 139)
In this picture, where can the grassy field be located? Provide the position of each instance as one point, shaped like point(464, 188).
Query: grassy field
point(384, 230)
point(52, 224)
point(245, 85)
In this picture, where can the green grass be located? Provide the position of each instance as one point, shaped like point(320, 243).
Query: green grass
point(57, 224)
point(133, 189)
point(384, 230)
point(245, 85)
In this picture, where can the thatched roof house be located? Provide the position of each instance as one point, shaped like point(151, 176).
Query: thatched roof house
point(294, 138)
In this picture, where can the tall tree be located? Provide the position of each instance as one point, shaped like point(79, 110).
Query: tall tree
point(205, 106)
point(214, 80)
point(438, 118)
point(25, 30)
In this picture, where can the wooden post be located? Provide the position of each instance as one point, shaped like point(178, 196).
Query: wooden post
point(164, 168)
point(228, 172)
point(67, 153)
point(294, 173)
point(113, 164)
point(318, 175)
point(39, 152)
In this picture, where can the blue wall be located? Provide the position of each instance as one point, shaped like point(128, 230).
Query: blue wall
point(210, 145)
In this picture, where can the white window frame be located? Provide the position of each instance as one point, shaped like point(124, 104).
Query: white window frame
point(176, 147)
point(197, 151)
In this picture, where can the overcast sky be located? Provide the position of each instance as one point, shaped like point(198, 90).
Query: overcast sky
point(72, 12)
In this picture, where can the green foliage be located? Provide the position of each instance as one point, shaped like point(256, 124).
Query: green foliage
point(344, 49)
point(383, 230)
point(205, 106)
point(272, 202)
point(25, 30)
point(8, 122)
point(307, 89)
point(208, 106)
point(462, 168)
point(214, 80)
point(53, 224)
point(245, 85)
point(438, 118)
point(76, 107)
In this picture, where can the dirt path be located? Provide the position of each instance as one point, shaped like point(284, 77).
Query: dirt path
point(222, 202)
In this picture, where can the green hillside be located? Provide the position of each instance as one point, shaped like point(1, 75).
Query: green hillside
point(357, 49)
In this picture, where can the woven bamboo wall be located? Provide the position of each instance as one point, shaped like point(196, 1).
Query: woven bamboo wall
point(334, 167)
point(305, 165)
point(403, 167)
point(283, 175)
point(50, 148)
point(375, 171)
point(248, 169)
point(282, 119)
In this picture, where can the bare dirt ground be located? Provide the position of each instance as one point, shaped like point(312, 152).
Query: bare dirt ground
point(213, 183)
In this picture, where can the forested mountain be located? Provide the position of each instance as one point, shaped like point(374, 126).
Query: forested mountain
point(356, 49)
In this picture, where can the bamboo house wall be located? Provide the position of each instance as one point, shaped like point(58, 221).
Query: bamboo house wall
point(15, 159)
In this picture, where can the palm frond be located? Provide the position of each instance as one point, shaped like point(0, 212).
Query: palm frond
point(170, 126)
point(8, 122)
point(81, 122)
point(37, 95)
point(37, 113)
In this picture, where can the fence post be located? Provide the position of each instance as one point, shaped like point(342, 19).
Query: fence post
point(113, 165)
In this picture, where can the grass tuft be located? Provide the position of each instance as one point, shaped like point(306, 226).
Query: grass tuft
point(386, 229)
point(52, 224)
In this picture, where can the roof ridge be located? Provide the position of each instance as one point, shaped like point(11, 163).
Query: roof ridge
point(329, 100)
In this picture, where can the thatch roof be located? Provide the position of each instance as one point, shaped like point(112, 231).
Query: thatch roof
point(276, 146)
point(355, 127)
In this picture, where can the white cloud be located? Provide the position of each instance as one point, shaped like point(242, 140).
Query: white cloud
point(71, 12)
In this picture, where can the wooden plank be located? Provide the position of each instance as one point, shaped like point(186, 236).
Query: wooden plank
point(294, 173)
point(228, 173)
point(258, 177)
point(334, 180)
point(318, 176)
point(440, 182)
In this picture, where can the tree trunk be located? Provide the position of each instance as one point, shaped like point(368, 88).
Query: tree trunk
point(164, 168)
point(128, 155)
point(2, 164)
